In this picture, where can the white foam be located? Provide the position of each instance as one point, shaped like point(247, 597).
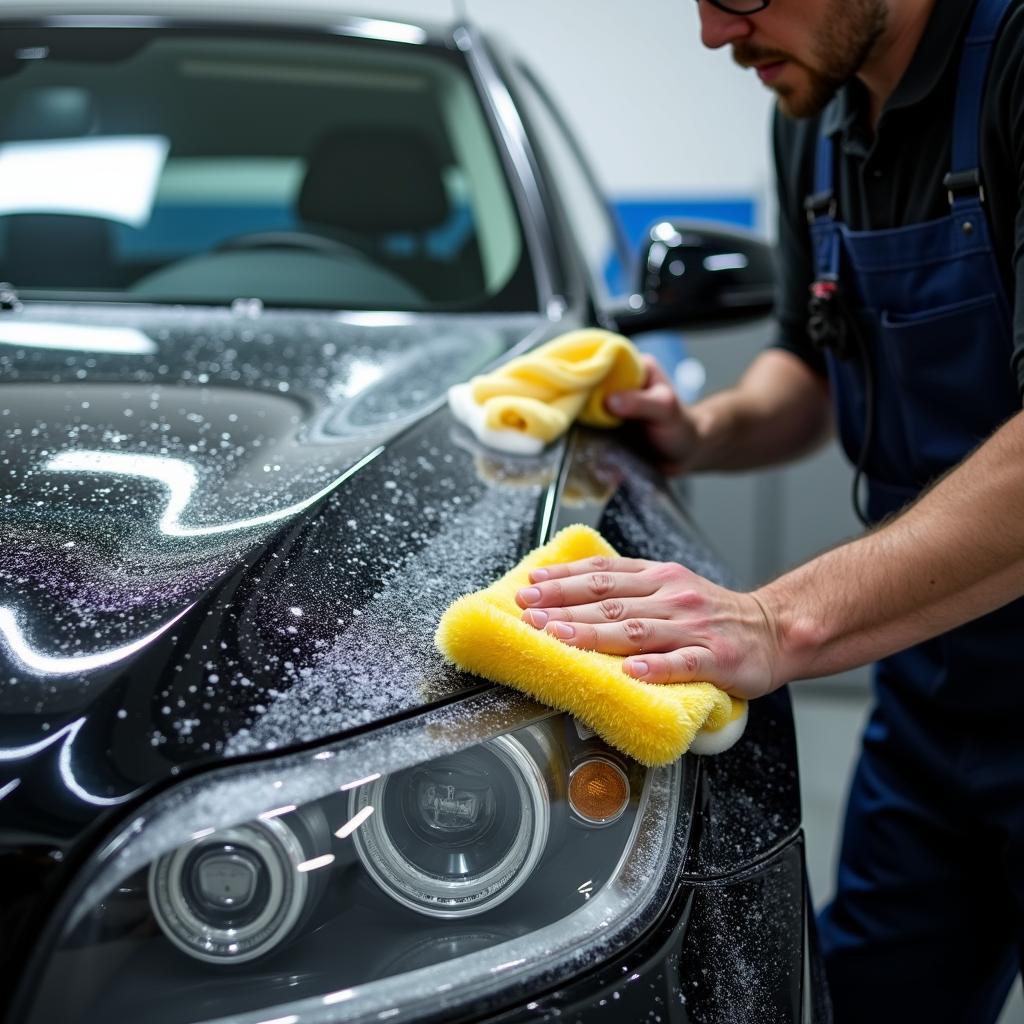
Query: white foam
point(468, 411)
point(717, 741)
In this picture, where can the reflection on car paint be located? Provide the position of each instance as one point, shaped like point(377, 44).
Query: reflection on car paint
point(48, 665)
point(121, 499)
point(181, 481)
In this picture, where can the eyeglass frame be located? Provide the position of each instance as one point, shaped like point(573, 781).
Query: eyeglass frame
point(723, 5)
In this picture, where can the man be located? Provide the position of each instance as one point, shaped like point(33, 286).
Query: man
point(899, 145)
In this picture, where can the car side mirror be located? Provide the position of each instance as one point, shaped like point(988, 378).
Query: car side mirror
point(693, 274)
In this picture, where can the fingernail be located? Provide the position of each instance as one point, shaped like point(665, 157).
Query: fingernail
point(531, 595)
point(563, 630)
point(637, 668)
point(539, 575)
point(614, 403)
point(538, 618)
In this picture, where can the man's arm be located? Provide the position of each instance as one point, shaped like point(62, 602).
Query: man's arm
point(780, 409)
point(955, 554)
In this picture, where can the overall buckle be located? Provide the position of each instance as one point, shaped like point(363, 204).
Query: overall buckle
point(820, 204)
point(828, 325)
point(961, 183)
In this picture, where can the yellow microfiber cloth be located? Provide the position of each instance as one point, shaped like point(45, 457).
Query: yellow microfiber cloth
point(483, 632)
point(531, 400)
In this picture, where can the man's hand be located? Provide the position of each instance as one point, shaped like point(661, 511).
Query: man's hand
point(668, 424)
point(780, 409)
point(675, 626)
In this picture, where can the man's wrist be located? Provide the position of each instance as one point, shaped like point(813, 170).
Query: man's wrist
point(797, 638)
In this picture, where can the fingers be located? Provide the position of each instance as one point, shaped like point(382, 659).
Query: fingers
point(598, 563)
point(656, 400)
point(611, 609)
point(657, 403)
point(647, 644)
point(685, 665)
point(629, 637)
point(655, 373)
point(586, 589)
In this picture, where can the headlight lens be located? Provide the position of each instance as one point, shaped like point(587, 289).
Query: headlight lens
point(238, 893)
point(459, 835)
point(330, 885)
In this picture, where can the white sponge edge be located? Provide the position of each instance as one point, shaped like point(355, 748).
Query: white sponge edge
point(468, 411)
point(719, 740)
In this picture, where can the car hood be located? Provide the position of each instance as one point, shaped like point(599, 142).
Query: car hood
point(228, 533)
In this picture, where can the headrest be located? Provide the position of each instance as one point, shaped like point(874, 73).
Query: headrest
point(57, 250)
point(373, 180)
point(52, 112)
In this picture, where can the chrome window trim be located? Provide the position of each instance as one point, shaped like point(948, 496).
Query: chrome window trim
point(521, 165)
point(234, 18)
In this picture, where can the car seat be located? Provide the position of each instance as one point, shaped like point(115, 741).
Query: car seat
point(56, 250)
point(382, 191)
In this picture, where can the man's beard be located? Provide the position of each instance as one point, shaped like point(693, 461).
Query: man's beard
point(850, 31)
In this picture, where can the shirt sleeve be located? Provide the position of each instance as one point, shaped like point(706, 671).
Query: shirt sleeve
point(794, 265)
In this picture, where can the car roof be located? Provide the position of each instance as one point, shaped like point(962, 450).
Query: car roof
point(339, 17)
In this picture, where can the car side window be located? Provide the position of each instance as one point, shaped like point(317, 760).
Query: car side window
point(591, 218)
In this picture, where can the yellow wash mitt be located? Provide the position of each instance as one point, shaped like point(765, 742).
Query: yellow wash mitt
point(528, 402)
point(483, 632)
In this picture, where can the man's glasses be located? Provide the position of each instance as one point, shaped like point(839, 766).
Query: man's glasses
point(739, 6)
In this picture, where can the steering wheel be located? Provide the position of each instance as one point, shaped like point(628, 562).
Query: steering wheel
point(306, 240)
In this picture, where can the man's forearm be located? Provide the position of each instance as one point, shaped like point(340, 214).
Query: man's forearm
point(779, 410)
point(955, 554)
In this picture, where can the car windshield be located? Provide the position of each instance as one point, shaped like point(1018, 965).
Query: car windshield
point(197, 167)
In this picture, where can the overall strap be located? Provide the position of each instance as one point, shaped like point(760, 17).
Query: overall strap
point(824, 184)
point(821, 212)
point(964, 180)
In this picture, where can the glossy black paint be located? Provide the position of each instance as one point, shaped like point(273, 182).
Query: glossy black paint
point(748, 799)
point(265, 622)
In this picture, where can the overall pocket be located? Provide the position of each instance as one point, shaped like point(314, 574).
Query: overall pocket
point(951, 365)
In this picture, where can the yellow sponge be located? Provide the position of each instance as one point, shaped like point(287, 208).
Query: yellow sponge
point(483, 632)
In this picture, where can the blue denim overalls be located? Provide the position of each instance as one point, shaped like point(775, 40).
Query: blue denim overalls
point(930, 892)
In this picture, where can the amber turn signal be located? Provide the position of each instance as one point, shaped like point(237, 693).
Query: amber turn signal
point(598, 791)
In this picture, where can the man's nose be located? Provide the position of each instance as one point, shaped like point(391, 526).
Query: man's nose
point(719, 28)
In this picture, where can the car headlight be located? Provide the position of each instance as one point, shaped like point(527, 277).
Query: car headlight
point(238, 893)
point(493, 837)
point(458, 835)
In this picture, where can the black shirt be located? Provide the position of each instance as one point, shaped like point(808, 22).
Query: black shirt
point(893, 177)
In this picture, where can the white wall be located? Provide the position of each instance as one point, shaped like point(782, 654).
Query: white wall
point(660, 114)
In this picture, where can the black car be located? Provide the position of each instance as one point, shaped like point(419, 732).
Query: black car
point(244, 263)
